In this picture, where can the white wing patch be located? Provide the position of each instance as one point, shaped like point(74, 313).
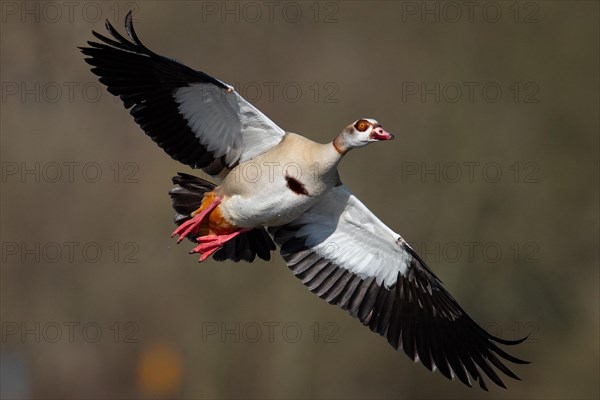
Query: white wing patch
point(226, 123)
point(343, 230)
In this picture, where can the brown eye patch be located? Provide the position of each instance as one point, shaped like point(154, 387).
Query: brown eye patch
point(361, 125)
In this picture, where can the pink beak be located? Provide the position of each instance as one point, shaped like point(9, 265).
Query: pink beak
point(379, 133)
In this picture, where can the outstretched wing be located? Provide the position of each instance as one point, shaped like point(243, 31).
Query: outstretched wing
point(197, 119)
point(343, 253)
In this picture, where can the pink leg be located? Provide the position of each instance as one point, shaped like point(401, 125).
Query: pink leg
point(193, 224)
point(211, 243)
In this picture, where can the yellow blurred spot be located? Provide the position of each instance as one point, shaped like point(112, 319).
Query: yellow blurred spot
point(159, 371)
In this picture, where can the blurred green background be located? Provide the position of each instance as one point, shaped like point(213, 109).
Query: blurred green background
point(98, 301)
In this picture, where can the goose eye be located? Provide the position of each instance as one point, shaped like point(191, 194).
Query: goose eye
point(361, 125)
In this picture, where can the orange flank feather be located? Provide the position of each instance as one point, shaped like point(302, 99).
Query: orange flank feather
point(216, 224)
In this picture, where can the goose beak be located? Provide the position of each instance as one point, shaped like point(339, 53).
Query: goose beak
point(378, 133)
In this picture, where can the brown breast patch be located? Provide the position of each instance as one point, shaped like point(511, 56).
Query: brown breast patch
point(296, 186)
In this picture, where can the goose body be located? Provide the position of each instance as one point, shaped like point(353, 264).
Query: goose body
point(279, 188)
point(279, 185)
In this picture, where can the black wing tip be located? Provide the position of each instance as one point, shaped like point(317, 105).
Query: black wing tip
point(129, 17)
point(118, 41)
point(111, 29)
point(482, 384)
point(489, 345)
point(108, 25)
point(477, 356)
point(505, 355)
point(508, 342)
point(129, 24)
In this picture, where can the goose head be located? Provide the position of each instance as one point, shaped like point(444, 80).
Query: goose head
point(360, 133)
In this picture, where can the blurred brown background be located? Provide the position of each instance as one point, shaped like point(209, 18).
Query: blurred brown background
point(98, 301)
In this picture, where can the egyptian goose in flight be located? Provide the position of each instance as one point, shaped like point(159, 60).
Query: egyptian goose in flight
point(294, 196)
